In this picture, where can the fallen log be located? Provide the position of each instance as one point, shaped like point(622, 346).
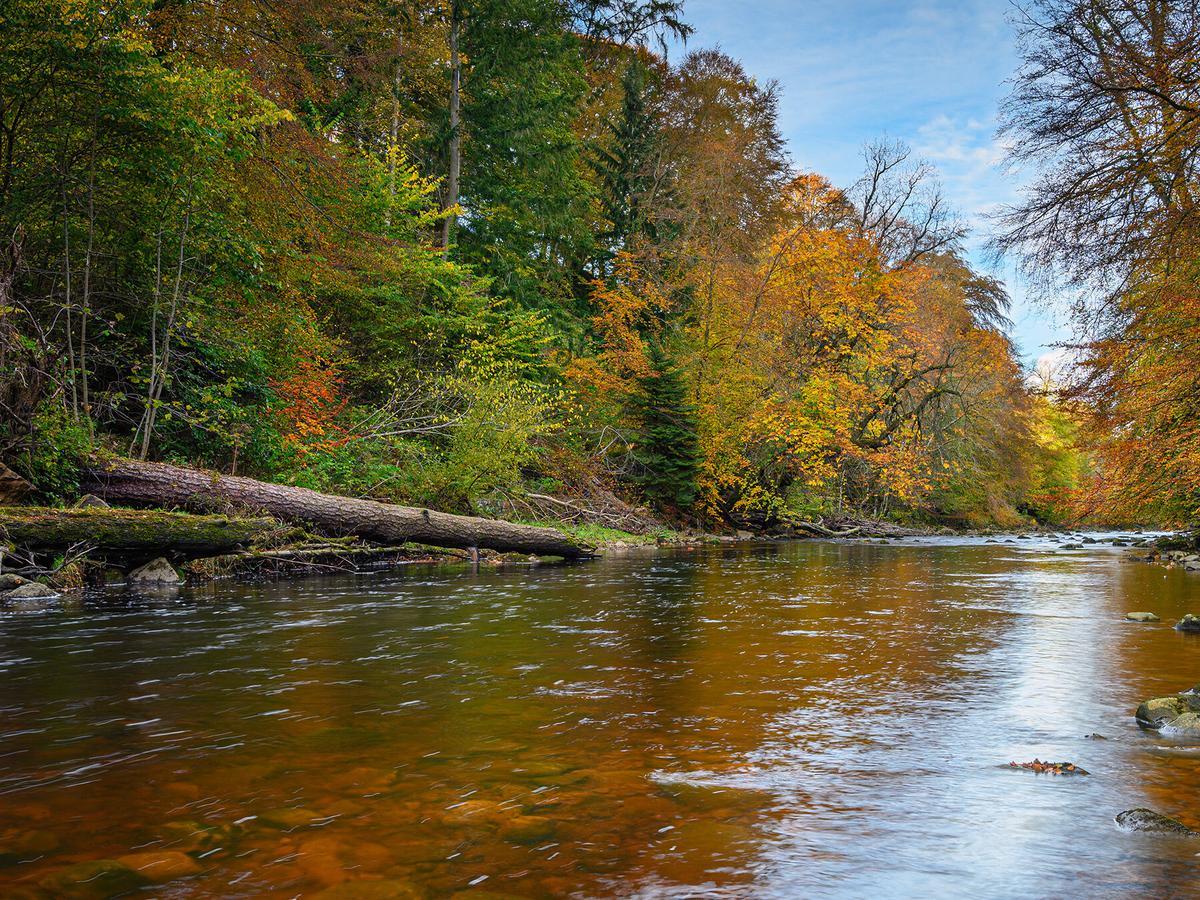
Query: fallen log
point(161, 485)
point(129, 532)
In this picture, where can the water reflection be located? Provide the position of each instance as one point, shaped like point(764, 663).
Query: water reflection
point(790, 720)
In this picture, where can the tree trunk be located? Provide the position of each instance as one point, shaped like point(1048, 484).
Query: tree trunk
point(158, 484)
point(455, 152)
point(129, 532)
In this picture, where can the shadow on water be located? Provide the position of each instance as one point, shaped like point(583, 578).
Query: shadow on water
point(811, 719)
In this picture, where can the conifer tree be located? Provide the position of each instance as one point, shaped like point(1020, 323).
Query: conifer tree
point(668, 449)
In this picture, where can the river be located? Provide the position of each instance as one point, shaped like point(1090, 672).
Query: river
point(790, 720)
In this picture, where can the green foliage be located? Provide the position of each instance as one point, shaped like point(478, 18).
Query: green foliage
point(525, 199)
point(667, 447)
point(51, 460)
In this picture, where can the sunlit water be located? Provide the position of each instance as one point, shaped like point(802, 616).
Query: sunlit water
point(796, 720)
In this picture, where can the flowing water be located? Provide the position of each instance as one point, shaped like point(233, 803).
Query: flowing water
point(792, 720)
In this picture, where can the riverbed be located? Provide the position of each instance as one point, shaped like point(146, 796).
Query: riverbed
point(788, 720)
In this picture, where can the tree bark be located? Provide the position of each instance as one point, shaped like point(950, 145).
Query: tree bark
point(125, 532)
point(454, 172)
point(158, 484)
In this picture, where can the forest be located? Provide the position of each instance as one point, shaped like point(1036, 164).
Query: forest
point(462, 253)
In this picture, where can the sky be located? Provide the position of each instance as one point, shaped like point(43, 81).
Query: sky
point(929, 72)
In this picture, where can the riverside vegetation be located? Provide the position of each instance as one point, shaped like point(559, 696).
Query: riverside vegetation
point(505, 257)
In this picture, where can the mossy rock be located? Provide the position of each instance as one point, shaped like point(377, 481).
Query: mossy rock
point(1184, 726)
point(1148, 821)
point(1157, 712)
point(95, 880)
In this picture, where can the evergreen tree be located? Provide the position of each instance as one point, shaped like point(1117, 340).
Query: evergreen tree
point(668, 450)
point(626, 171)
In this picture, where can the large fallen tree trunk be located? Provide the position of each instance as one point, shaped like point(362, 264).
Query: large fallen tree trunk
point(161, 485)
point(129, 532)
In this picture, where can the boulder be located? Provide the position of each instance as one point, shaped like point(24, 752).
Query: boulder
point(10, 581)
point(1158, 712)
point(1189, 624)
point(1148, 821)
point(156, 572)
point(1141, 617)
point(31, 591)
point(1184, 726)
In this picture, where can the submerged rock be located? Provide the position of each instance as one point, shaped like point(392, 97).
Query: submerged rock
point(95, 880)
point(705, 797)
point(1148, 821)
point(1141, 617)
point(199, 837)
point(18, 846)
point(289, 818)
point(156, 572)
point(158, 866)
point(528, 829)
point(372, 890)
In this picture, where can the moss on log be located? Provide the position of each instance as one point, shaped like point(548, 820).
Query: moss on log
point(117, 532)
point(158, 484)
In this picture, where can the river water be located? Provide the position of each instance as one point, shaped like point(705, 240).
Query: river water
point(790, 720)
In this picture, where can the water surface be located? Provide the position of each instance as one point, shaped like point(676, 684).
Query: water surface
point(794, 720)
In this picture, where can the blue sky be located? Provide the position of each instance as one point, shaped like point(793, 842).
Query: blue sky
point(929, 72)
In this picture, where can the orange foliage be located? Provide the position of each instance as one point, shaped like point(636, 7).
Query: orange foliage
point(310, 402)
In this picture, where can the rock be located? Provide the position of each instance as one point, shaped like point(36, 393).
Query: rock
point(157, 571)
point(372, 890)
point(198, 837)
point(18, 846)
point(1189, 624)
point(91, 501)
point(289, 818)
point(1072, 546)
point(158, 866)
point(98, 879)
point(1184, 726)
point(528, 829)
point(10, 581)
point(1148, 821)
point(474, 812)
point(1161, 710)
point(13, 488)
point(706, 797)
point(32, 591)
point(1141, 617)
